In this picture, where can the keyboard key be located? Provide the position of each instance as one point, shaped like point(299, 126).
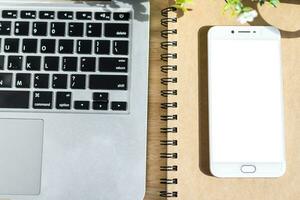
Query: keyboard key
point(84, 46)
point(42, 100)
point(65, 15)
point(51, 63)
point(88, 64)
point(33, 63)
point(100, 105)
point(29, 46)
point(100, 96)
point(23, 80)
point(102, 47)
point(9, 14)
point(116, 30)
point(21, 28)
point(108, 82)
point(28, 14)
point(63, 100)
point(69, 64)
point(122, 16)
point(113, 64)
point(5, 80)
point(82, 105)
point(11, 45)
point(65, 46)
point(39, 28)
point(59, 81)
point(75, 29)
point(78, 81)
point(5, 27)
point(102, 15)
point(14, 99)
point(47, 46)
point(119, 105)
point(2, 62)
point(14, 62)
point(46, 14)
point(41, 81)
point(120, 47)
point(58, 29)
point(84, 15)
point(93, 29)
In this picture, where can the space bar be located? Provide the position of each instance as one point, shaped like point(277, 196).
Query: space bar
point(14, 99)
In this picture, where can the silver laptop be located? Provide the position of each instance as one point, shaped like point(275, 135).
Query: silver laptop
point(73, 99)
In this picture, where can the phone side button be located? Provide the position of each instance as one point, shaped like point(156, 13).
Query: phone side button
point(248, 168)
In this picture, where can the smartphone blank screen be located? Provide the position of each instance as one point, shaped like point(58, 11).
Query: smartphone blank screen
point(246, 101)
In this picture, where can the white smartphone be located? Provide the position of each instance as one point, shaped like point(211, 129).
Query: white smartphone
point(246, 106)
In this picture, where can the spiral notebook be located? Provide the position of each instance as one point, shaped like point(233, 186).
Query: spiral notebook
point(184, 72)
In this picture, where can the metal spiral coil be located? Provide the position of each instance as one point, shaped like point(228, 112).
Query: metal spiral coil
point(165, 69)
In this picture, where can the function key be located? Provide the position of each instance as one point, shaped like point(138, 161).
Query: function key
point(81, 105)
point(46, 14)
point(28, 14)
point(65, 15)
point(118, 105)
point(122, 16)
point(9, 14)
point(102, 15)
point(84, 15)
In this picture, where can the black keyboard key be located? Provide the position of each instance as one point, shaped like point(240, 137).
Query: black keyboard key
point(11, 45)
point(102, 47)
point(75, 29)
point(84, 46)
point(14, 99)
point(82, 105)
point(69, 64)
point(21, 28)
point(84, 15)
point(14, 62)
point(28, 14)
point(116, 30)
point(78, 81)
point(63, 100)
point(5, 27)
point(42, 100)
point(65, 46)
point(120, 47)
point(39, 28)
point(103, 16)
point(41, 81)
point(51, 63)
point(33, 63)
point(65, 15)
point(88, 64)
point(108, 82)
point(5, 80)
point(23, 80)
point(29, 46)
point(93, 29)
point(2, 62)
point(46, 14)
point(113, 64)
point(100, 96)
point(57, 29)
point(122, 16)
point(47, 46)
point(119, 105)
point(10, 14)
point(59, 81)
point(100, 105)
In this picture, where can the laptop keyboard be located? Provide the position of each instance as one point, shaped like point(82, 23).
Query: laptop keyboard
point(64, 60)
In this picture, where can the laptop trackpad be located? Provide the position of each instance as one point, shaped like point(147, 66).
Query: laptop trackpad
point(21, 143)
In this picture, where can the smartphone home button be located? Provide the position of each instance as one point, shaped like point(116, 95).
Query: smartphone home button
point(248, 168)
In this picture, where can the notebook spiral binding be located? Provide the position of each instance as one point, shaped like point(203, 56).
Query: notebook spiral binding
point(165, 21)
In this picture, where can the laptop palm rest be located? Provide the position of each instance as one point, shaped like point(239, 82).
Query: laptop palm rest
point(21, 144)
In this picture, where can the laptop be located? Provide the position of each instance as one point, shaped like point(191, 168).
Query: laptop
point(73, 99)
